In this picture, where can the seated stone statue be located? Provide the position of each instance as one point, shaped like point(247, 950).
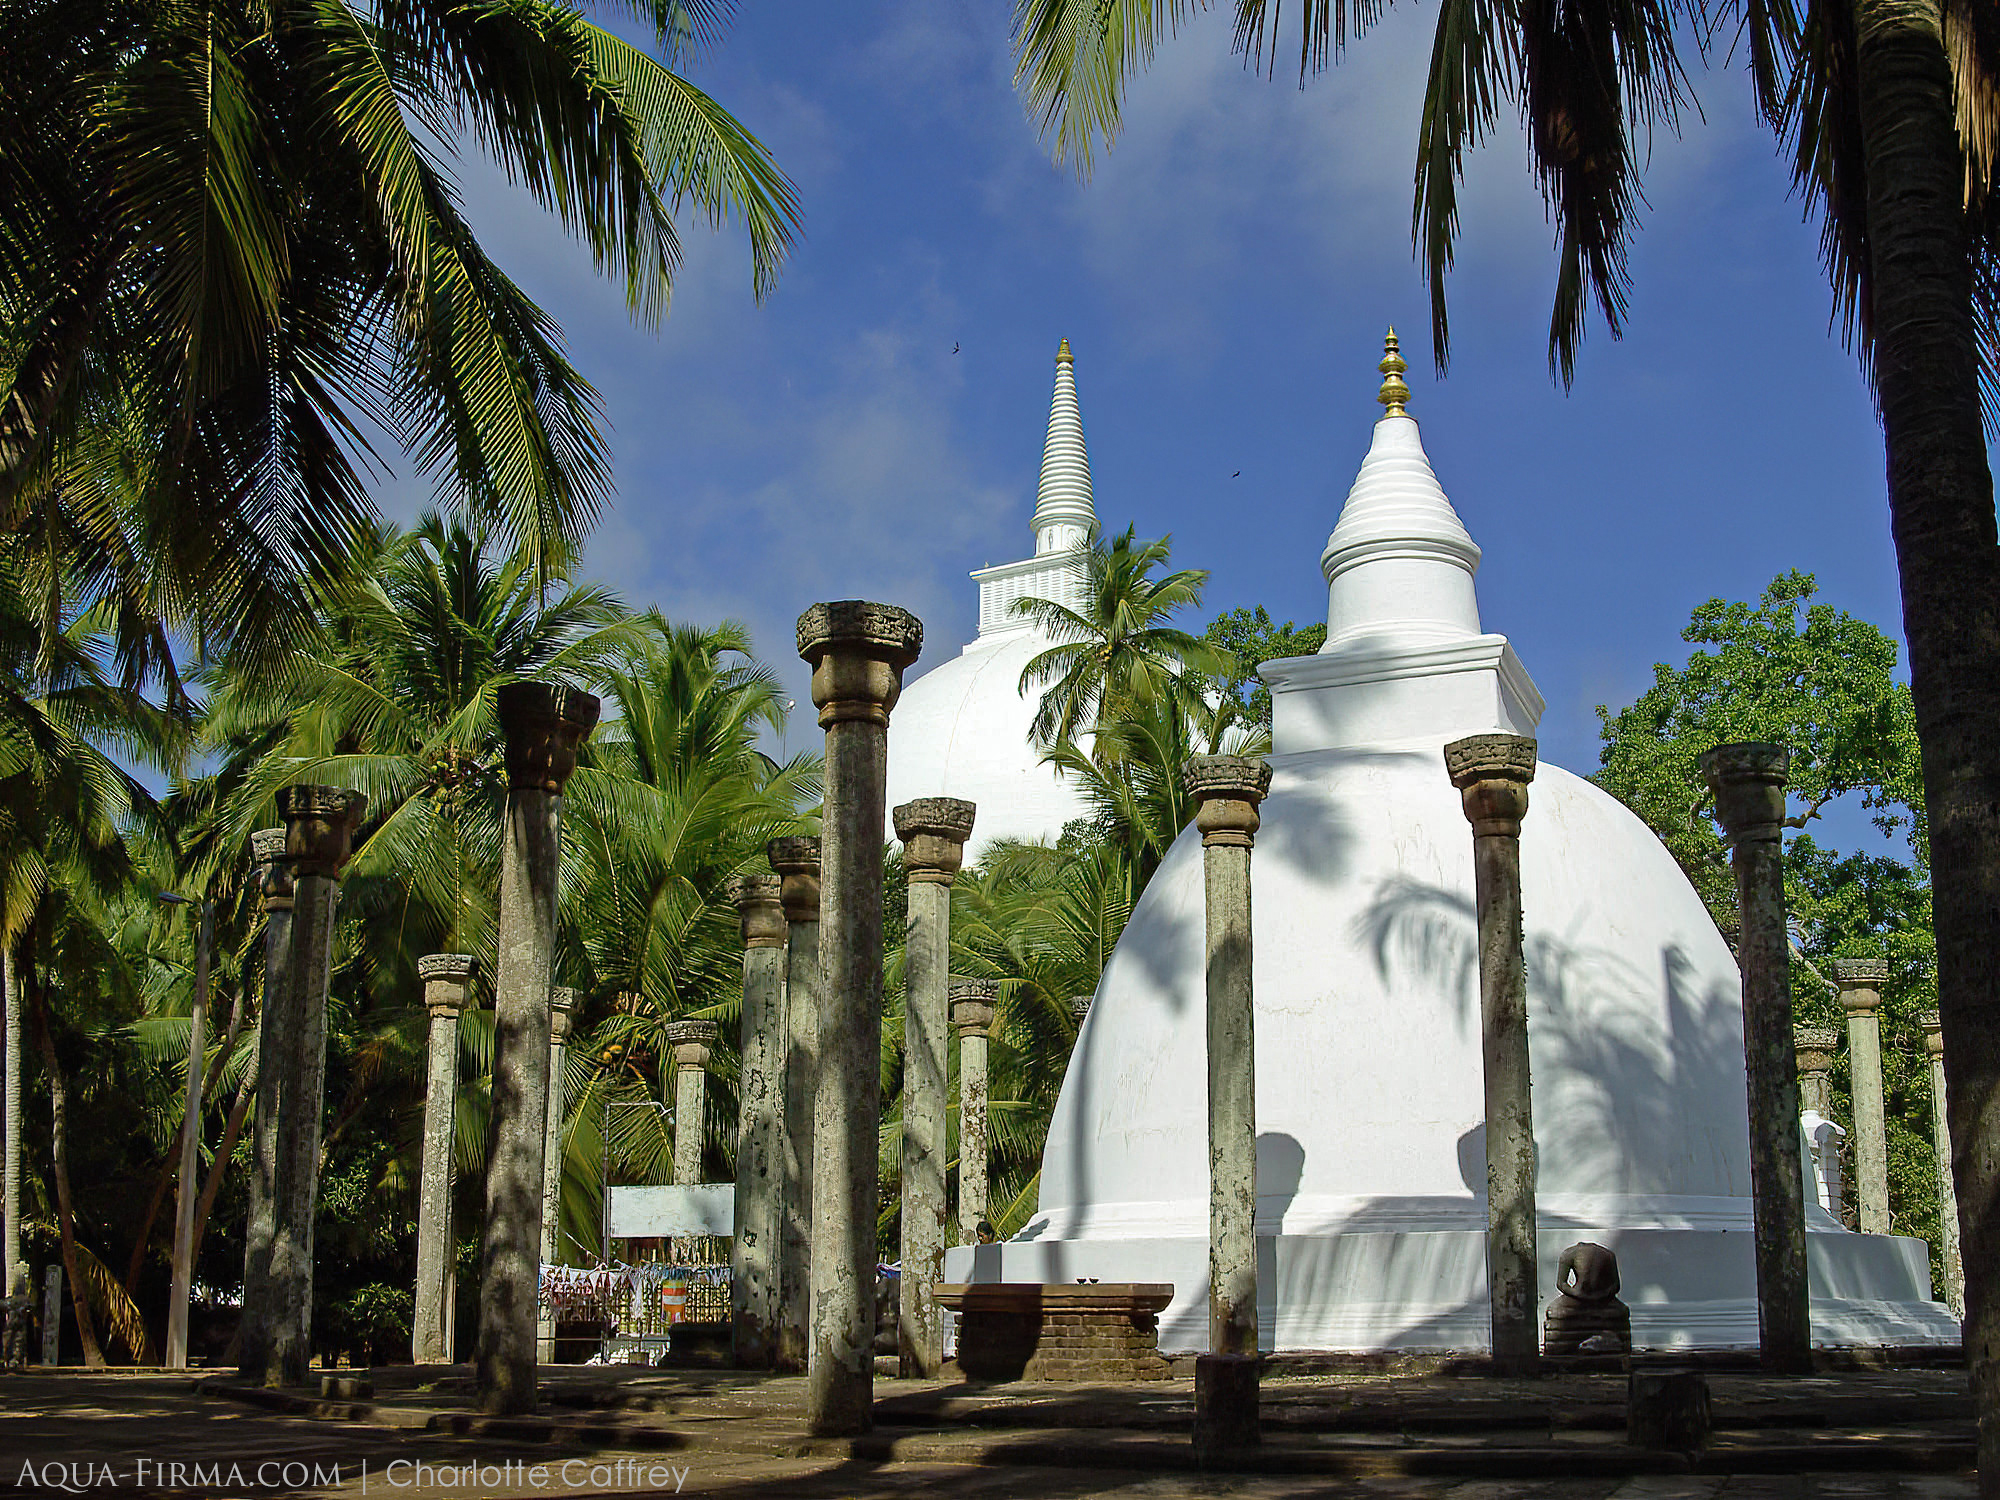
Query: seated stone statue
point(1587, 1317)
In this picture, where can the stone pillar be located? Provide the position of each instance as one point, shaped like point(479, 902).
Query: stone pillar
point(972, 1003)
point(858, 652)
point(447, 981)
point(1954, 1266)
point(1748, 783)
point(1860, 981)
point(319, 835)
point(1079, 1008)
point(690, 1041)
point(277, 1050)
point(760, 1124)
point(562, 1009)
point(1227, 790)
point(1492, 772)
point(1812, 1050)
point(544, 726)
point(797, 862)
point(933, 831)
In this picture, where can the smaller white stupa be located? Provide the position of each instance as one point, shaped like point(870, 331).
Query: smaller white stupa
point(961, 729)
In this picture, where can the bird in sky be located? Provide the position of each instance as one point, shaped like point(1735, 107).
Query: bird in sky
point(954, 348)
point(1237, 475)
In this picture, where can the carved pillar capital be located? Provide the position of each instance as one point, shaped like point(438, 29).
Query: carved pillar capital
point(934, 831)
point(972, 1002)
point(1492, 772)
point(1748, 782)
point(319, 827)
point(269, 868)
point(1860, 981)
point(690, 1041)
point(544, 726)
point(562, 1006)
point(759, 909)
point(447, 981)
point(1227, 790)
point(796, 860)
point(858, 652)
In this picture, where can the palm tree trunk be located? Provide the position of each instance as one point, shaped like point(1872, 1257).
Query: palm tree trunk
point(170, 1165)
point(231, 1130)
point(1948, 556)
point(59, 1152)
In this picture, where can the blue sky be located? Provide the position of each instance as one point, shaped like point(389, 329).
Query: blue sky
point(1225, 278)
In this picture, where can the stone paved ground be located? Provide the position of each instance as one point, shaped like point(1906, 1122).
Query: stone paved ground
point(736, 1438)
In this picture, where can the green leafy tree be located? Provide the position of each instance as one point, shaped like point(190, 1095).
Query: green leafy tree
point(1787, 670)
point(1795, 671)
point(1250, 638)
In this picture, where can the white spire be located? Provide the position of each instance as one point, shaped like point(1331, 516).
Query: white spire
point(1399, 561)
point(1063, 511)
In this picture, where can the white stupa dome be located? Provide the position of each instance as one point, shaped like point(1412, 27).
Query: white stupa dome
point(1370, 1149)
point(961, 729)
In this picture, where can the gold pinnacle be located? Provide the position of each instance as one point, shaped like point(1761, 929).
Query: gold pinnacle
point(1063, 356)
point(1394, 392)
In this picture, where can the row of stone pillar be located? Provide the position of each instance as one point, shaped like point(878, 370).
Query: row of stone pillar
point(298, 869)
point(543, 726)
point(1859, 982)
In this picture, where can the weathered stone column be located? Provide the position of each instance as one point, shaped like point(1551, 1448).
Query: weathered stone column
point(1860, 981)
point(690, 1041)
point(319, 835)
point(562, 1010)
point(760, 1124)
point(933, 831)
point(1812, 1050)
point(972, 1003)
point(858, 652)
point(1954, 1265)
point(277, 1050)
point(544, 726)
point(1748, 782)
point(1492, 772)
point(797, 862)
point(447, 981)
point(1227, 790)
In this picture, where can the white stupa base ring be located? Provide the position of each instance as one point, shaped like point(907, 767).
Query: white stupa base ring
point(1425, 1290)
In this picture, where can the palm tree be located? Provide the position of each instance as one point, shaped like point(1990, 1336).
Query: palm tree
point(64, 800)
point(1043, 923)
point(1118, 649)
point(672, 798)
point(396, 700)
point(231, 250)
point(1891, 112)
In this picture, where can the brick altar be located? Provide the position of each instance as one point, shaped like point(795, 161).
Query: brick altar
point(1021, 1330)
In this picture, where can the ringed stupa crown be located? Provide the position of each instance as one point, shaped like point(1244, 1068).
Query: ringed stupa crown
point(1405, 657)
point(1064, 517)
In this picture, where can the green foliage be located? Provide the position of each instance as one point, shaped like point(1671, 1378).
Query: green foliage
point(231, 244)
point(1249, 636)
point(1794, 671)
point(1786, 670)
point(1118, 651)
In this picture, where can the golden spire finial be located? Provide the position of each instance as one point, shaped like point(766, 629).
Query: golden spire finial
point(1394, 393)
point(1063, 356)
